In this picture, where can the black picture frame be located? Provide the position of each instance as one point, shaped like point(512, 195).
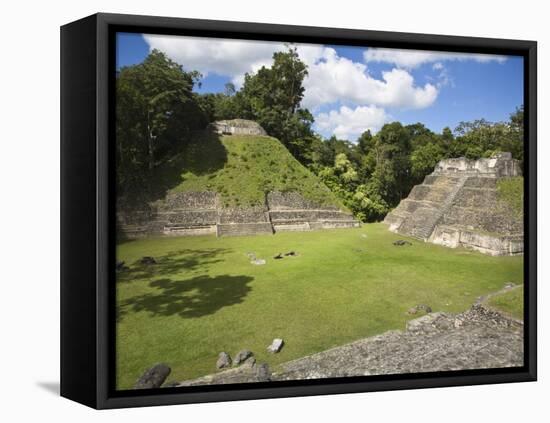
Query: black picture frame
point(88, 219)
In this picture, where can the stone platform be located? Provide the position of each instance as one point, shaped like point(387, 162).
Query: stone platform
point(458, 205)
point(200, 213)
point(237, 127)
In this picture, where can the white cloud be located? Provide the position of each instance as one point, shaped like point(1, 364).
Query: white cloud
point(226, 57)
point(348, 123)
point(410, 59)
point(331, 78)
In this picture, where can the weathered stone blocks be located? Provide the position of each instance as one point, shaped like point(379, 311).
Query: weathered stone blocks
point(237, 127)
point(290, 200)
point(200, 213)
point(239, 229)
point(458, 205)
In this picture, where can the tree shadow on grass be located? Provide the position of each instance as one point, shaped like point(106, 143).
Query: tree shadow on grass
point(172, 263)
point(202, 153)
point(195, 297)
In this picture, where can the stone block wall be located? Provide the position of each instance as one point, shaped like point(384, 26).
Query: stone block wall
point(243, 215)
point(277, 200)
point(499, 166)
point(487, 243)
point(237, 127)
point(199, 213)
point(189, 217)
point(206, 200)
point(240, 229)
point(307, 215)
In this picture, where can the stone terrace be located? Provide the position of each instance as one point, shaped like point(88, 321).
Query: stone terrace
point(458, 205)
point(200, 213)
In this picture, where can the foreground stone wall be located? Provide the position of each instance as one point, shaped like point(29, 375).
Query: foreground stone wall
point(458, 205)
point(200, 213)
point(480, 338)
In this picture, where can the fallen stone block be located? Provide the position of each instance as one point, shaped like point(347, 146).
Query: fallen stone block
point(275, 346)
point(153, 377)
point(242, 356)
point(224, 360)
point(263, 373)
point(250, 362)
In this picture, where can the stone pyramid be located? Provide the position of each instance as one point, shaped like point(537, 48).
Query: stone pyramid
point(458, 205)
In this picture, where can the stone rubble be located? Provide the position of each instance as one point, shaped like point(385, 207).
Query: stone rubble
point(242, 356)
point(224, 360)
point(153, 377)
point(275, 346)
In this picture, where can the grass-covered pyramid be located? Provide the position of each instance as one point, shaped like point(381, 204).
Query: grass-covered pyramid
point(233, 185)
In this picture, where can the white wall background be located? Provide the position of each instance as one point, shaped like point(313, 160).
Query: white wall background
point(29, 136)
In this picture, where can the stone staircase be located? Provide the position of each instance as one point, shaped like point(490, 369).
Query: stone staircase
point(429, 203)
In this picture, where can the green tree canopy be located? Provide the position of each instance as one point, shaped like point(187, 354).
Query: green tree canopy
point(156, 110)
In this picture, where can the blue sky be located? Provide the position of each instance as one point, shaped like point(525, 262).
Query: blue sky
point(351, 89)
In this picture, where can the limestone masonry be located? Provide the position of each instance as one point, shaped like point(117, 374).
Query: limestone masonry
point(237, 127)
point(458, 205)
point(200, 213)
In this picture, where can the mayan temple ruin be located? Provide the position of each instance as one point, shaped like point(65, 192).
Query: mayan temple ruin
point(458, 205)
point(202, 212)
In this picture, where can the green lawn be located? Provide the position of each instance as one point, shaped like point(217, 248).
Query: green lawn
point(204, 296)
point(510, 302)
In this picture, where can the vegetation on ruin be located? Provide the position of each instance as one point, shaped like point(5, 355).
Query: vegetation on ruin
point(159, 114)
point(204, 296)
point(242, 169)
point(510, 302)
point(510, 191)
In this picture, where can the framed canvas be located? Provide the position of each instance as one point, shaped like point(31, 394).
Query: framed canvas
point(258, 211)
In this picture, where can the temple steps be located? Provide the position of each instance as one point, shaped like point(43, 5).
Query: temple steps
point(418, 215)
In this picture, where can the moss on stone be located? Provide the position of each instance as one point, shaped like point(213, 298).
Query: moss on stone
point(510, 191)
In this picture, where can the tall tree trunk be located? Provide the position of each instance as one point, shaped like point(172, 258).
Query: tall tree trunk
point(150, 152)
